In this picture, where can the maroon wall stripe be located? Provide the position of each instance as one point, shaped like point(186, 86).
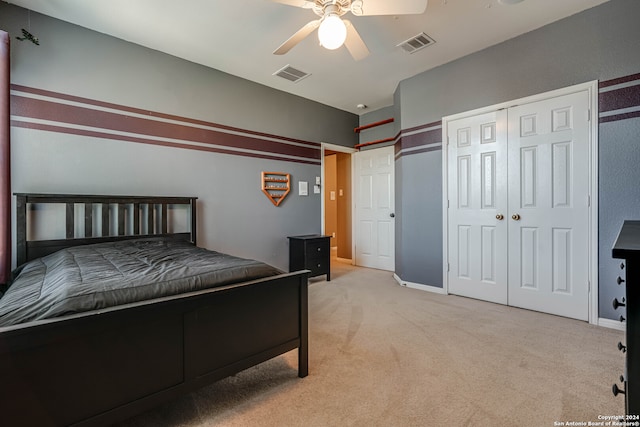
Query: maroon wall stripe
point(418, 139)
point(423, 150)
point(619, 98)
point(104, 135)
point(622, 116)
point(5, 161)
point(426, 126)
point(63, 113)
point(617, 81)
point(140, 111)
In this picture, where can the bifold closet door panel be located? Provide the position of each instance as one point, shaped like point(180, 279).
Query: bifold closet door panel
point(477, 168)
point(549, 205)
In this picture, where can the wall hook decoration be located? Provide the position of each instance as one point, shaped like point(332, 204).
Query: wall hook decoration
point(28, 36)
point(276, 186)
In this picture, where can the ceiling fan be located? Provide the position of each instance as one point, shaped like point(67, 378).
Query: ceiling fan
point(333, 31)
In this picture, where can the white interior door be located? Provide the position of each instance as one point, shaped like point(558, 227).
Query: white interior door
point(549, 206)
point(374, 208)
point(477, 206)
point(518, 194)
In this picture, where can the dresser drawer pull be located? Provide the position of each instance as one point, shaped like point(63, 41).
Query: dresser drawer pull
point(617, 303)
point(619, 280)
point(616, 390)
point(622, 347)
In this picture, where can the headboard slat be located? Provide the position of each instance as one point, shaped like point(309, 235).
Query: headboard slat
point(121, 211)
point(150, 227)
point(136, 218)
point(88, 220)
point(70, 221)
point(105, 220)
point(164, 218)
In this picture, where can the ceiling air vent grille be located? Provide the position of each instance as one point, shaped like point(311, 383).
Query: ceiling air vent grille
point(416, 43)
point(291, 74)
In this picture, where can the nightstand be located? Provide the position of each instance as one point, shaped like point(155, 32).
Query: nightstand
point(310, 252)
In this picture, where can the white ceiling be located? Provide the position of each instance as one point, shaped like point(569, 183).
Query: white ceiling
point(239, 36)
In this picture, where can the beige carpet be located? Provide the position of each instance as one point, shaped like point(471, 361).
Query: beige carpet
point(385, 355)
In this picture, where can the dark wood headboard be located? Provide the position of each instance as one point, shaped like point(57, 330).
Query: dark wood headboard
point(152, 224)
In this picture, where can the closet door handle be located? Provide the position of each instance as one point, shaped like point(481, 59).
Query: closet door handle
point(515, 217)
point(499, 217)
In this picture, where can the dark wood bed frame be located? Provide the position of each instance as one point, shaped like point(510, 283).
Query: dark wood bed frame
point(103, 366)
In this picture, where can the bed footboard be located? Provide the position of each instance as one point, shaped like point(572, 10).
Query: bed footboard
point(100, 367)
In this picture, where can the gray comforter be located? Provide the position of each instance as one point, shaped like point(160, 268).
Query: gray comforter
point(103, 275)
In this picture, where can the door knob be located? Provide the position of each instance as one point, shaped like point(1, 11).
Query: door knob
point(515, 217)
point(392, 215)
point(499, 217)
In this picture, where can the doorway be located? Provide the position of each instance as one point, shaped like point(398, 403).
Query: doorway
point(336, 192)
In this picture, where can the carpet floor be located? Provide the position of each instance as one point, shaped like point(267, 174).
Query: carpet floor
point(385, 355)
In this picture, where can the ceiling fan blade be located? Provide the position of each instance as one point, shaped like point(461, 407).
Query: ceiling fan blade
point(385, 7)
point(306, 4)
point(354, 43)
point(297, 37)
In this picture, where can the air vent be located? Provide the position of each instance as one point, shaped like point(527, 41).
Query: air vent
point(291, 74)
point(416, 43)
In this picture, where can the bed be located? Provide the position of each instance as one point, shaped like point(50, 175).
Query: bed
point(124, 356)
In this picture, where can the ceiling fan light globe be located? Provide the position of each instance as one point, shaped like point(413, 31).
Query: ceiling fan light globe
point(332, 32)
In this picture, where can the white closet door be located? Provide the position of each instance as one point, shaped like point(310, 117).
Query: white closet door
point(548, 220)
point(375, 204)
point(477, 169)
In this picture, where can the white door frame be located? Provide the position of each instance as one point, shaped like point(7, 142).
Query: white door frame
point(592, 88)
point(342, 149)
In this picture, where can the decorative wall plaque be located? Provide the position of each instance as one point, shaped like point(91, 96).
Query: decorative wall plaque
point(276, 185)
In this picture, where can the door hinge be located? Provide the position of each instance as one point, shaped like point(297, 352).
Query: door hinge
point(588, 201)
point(448, 267)
point(447, 203)
point(589, 115)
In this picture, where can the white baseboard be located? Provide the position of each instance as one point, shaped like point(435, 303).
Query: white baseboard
point(613, 324)
point(419, 286)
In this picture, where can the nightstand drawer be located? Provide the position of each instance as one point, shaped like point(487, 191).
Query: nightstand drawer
point(317, 249)
point(317, 266)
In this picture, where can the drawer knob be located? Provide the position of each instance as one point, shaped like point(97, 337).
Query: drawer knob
point(616, 390)
point(622, 318)
point(617, 304)
point(620, 280)
point(621, 347)
point(319, 249)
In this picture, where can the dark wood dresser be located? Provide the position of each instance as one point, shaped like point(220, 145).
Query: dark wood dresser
point(627, 247)
point(310, 252)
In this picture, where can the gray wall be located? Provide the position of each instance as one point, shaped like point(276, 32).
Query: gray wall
point(597, 44)
point(234, 215)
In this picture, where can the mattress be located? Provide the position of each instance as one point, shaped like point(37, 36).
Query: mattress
point(90, 277)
